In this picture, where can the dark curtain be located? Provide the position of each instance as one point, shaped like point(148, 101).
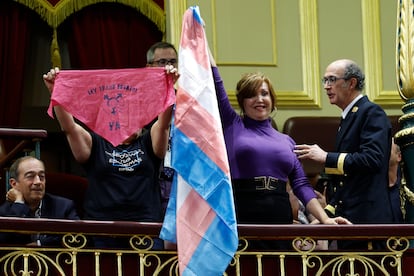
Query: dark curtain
point(15, 29)
point(109, 36)
point(160, 3)
point(105, 35)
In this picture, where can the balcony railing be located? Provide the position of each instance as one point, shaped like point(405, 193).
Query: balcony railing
point(76, 257)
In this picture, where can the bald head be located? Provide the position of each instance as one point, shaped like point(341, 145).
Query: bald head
point(350, 69)
point(343, 82)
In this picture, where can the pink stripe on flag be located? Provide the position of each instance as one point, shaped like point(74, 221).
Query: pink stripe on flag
point(192, 227)
point(203, 133)
point(198, 49)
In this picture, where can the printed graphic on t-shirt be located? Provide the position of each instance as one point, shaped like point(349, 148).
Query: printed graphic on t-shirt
point(125, 160)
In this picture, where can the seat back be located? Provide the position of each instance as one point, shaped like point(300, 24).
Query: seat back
point(313, 130)
point(321, 131)
point(67, 185)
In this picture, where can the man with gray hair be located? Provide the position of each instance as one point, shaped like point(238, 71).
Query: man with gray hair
point(27, 198)
point(358, 168)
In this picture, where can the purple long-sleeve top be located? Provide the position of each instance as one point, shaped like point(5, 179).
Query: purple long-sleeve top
point(255, 148)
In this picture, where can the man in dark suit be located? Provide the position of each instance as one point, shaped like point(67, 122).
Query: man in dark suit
point(359, 166)
point(27, 199)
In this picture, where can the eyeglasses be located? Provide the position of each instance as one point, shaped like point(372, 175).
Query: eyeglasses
point(163, 62)
point(331, 80)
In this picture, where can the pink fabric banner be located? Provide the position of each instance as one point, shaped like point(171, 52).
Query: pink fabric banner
point(113, 103)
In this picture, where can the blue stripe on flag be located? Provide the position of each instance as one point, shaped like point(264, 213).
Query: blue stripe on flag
point(204, 176)
point(169, 226)
point(224, 246)
point(196, 15)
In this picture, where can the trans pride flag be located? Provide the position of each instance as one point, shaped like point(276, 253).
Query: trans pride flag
point(200, 215)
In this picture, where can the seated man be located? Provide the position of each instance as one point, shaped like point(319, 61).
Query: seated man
point(27, 199)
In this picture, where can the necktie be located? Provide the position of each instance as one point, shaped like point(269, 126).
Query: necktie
point(35, 237)
point(340, 124)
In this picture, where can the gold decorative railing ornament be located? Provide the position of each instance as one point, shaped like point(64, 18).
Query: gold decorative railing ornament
point(78, 257)
point(74, 240)
point(243, 244)
point(40, 261)
point(304, 244)
point(139, 242)
point(29, 262)
point(319, 262)
point(169, 265)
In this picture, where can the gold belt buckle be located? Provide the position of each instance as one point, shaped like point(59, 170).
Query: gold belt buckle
point(266, 182)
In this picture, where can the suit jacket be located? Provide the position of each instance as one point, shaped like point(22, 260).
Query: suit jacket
point(54, 207)
point(359, 167)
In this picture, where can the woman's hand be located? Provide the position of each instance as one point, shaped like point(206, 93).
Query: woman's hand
point(49, 78)
point(337, 220)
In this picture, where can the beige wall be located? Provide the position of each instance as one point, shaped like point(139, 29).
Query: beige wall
point(292, 41)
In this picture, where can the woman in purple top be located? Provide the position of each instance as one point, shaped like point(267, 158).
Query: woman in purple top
point(261, 158)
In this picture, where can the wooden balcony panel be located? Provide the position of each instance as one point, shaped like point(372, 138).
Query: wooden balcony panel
point(284, 231)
